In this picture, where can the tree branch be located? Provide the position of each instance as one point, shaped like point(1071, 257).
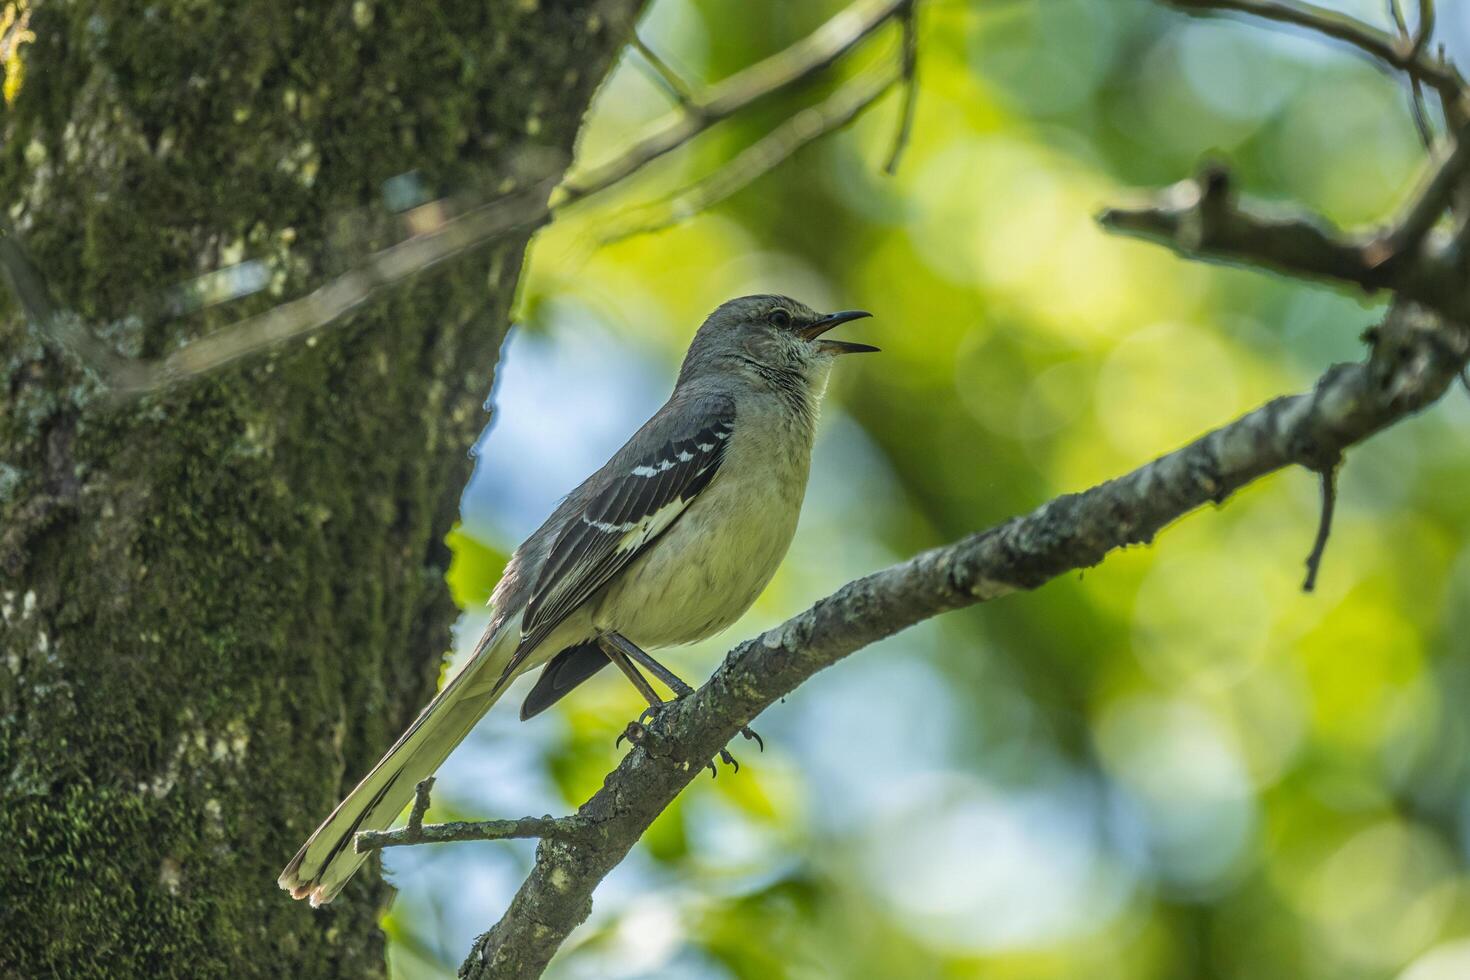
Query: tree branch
point(1415, 357)
point(334, 300)
point(910, 21)
point(671, 81)
point(1416, 41)
point(547, 827)
point(797, 64)
point(1202, 218)
point(522, 210)
point(811, 123)
point(1410, 58)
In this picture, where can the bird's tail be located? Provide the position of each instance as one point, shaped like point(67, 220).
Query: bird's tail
point(328, 858)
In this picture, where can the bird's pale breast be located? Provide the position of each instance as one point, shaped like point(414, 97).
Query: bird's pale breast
point(713, 563)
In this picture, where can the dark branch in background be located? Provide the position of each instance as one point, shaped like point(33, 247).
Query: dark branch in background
point(1417, 42)
point(910, 21)
point(1328, 477)
point(1412, 59)
point(780, 72)
point(672, 81)
point(529, 208)
point(1202, 218)
point(1415, 357)
point(810, 124)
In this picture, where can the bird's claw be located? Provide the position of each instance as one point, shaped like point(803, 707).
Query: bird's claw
point(727, 759)
point(645, 717)
point(631, 733)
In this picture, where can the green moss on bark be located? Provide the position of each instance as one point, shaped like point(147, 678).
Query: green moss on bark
point(221, 603)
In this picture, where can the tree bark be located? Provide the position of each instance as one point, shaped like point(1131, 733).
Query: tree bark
point(218, 604)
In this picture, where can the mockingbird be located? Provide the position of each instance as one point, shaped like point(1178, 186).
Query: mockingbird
point(668, 543)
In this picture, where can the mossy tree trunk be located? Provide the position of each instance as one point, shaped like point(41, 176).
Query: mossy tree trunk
point(221, 603)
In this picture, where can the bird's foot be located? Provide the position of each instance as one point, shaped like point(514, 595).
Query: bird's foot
point(644, 719)
point(727, 759)
point(648, 714)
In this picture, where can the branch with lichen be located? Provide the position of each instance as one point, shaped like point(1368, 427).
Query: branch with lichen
point(416, 832)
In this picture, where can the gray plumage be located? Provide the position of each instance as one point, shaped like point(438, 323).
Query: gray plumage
point(668, 543)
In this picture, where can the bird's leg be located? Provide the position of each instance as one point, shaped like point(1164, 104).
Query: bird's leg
point(633, 652)
point(617, 656)
point(621, 661)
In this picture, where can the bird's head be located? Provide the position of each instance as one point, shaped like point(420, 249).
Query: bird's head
point(770, 338)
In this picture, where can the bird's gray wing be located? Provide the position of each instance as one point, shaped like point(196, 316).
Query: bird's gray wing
point(646, 492)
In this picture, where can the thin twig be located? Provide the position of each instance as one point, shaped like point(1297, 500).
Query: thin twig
point(420, 804)
point(672, 81)
point(1296, 243)
point(546, 828)
point(1424, 31)
point(909, 18)
point(1380, 45)
point(1328, 477)
point(833, 113)
point(340, 296)
point(1416, 88)
point(1432, 201)
point(780, 72)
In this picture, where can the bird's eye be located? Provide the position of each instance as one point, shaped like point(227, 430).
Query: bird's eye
point(779, 318)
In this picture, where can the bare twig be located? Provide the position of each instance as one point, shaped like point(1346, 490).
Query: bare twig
point(1384, 47)
point(35, 301)
point(672, 81)
point(811, 123)
point(780, 72)
point(1328, 476)
point(1417, 42)
point(1411, 366)
point(420, 804)
point(910, 20)
point(1200, 219)
point(414, 832)
point(1432, 201)
point(545, 828)
point(340, 296)
point(1424, 31)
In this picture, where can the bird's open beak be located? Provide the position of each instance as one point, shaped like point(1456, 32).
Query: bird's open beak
point(814, 330)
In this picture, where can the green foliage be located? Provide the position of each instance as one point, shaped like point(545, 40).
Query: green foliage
point(474, 569)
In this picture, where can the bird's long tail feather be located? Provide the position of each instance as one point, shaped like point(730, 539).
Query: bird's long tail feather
point(328, 858)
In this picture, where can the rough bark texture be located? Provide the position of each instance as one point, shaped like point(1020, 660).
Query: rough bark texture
point(220, 603)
